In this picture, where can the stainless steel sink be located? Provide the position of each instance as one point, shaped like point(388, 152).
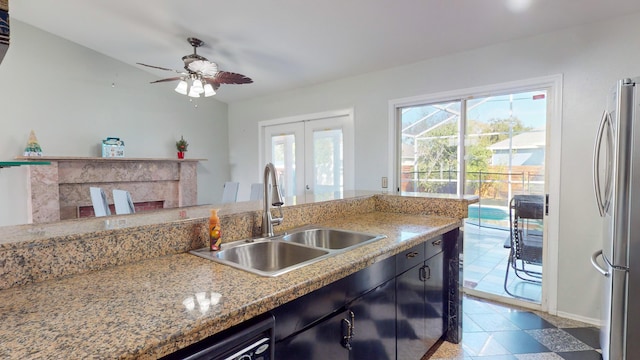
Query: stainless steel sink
point(280, 254)
point(330, 238)
point(264, 257)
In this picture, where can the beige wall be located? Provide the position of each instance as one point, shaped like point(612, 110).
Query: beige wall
point(64, 92)
point(590, 58)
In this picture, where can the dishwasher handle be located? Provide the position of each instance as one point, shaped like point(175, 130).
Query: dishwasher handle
point(594, 262)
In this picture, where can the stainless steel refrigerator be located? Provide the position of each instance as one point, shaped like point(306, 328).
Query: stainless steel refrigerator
point(616, 175)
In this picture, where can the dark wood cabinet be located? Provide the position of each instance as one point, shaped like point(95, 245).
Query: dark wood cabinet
point(394, 309)
point(420, 299)
point(363, 329)
point(374, 326)
point(323, 340)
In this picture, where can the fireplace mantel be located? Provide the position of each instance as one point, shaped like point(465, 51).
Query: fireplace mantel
point(59, 190)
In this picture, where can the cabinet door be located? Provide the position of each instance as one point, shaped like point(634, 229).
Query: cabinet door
point(374, 324)
point(411, 314)
point(320, 342)
point(433, 274)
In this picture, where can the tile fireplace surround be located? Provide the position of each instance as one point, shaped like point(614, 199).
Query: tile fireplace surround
point(59, 190)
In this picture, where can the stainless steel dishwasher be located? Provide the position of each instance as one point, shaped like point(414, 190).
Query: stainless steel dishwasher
point(251, 340)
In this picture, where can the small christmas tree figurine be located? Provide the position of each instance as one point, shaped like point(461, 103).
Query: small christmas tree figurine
point(33, 148)
point(182, 144)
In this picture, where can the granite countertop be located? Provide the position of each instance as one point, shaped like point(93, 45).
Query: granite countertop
point(137, 310)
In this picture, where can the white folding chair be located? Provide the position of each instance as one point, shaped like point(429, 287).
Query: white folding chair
point(99, 202)
point(257, 191)
point(230, 192)
point(123, 203)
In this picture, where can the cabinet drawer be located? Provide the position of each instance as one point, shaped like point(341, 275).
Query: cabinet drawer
point(410, 258)
point(433, 247)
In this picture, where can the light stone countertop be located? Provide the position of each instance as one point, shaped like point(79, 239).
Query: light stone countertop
point(136, 310)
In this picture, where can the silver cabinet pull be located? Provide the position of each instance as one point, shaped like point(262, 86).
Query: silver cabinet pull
point(411, 254)
point(349, 328)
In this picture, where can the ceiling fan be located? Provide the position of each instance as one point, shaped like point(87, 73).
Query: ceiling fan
point(204, 75)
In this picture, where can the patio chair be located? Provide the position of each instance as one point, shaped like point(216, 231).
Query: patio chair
point(525, 243)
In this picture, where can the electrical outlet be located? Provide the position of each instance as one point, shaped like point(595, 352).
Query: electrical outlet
point(385, 182)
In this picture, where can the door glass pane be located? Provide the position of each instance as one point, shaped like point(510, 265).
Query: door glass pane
point(327, 161)
point(430, 148)
point(283, 150)
point(505, 152)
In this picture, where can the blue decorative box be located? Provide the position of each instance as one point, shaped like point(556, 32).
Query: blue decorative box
point(112, 147)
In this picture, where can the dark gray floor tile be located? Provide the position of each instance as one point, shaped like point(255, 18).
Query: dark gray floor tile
point(581, 355)
point(588, 335)
point(519, 342)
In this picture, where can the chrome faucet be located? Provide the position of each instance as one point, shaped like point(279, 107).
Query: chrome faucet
point(276, 200)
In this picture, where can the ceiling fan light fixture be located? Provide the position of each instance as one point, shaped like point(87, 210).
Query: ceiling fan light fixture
point(209, 90)
point(202, 73)
point(182, 87)
point(194, 93)
point(197, 86)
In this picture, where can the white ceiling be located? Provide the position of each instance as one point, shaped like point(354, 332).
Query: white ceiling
point(286, 44)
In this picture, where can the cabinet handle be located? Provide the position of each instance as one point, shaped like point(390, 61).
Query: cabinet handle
point(437, 242)
point(411, 254)
point(350, 330)
point(346, 339)
point(353, 323)
point(424, 273)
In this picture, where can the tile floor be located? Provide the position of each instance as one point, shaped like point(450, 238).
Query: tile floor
point(493, 331)
point(485, 263)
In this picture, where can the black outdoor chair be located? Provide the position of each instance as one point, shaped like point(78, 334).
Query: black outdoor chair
point(525, 244)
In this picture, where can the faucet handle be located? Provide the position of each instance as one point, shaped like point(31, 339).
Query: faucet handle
point(278, 220)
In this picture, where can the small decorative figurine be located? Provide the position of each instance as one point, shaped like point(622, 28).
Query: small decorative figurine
point(182, 146)
point(32, 148)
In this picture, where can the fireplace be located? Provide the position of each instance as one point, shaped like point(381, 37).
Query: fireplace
point(87, 211)
point(61, 190)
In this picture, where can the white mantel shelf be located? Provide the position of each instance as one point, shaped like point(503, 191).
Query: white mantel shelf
point(80, 158)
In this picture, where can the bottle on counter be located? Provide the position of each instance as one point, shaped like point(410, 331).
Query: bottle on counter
point(215, 234)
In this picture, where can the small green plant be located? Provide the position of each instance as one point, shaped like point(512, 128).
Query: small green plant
point(182, 144)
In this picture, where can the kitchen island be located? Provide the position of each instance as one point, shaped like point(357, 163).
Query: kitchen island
point(135, 308)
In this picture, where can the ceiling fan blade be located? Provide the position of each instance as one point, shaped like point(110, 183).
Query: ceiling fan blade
point(225, 77)
point(158, 67)
point(167, 79)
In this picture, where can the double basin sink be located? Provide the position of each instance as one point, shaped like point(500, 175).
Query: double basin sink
point(280, 254)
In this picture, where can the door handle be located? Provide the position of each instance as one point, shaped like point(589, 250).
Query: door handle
point(594, 262)
point(603, 203)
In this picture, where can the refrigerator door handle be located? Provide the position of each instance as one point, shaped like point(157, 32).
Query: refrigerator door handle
point(594, 262)
point(603, 204)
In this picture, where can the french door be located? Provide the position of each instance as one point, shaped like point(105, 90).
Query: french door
point(313, 155)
